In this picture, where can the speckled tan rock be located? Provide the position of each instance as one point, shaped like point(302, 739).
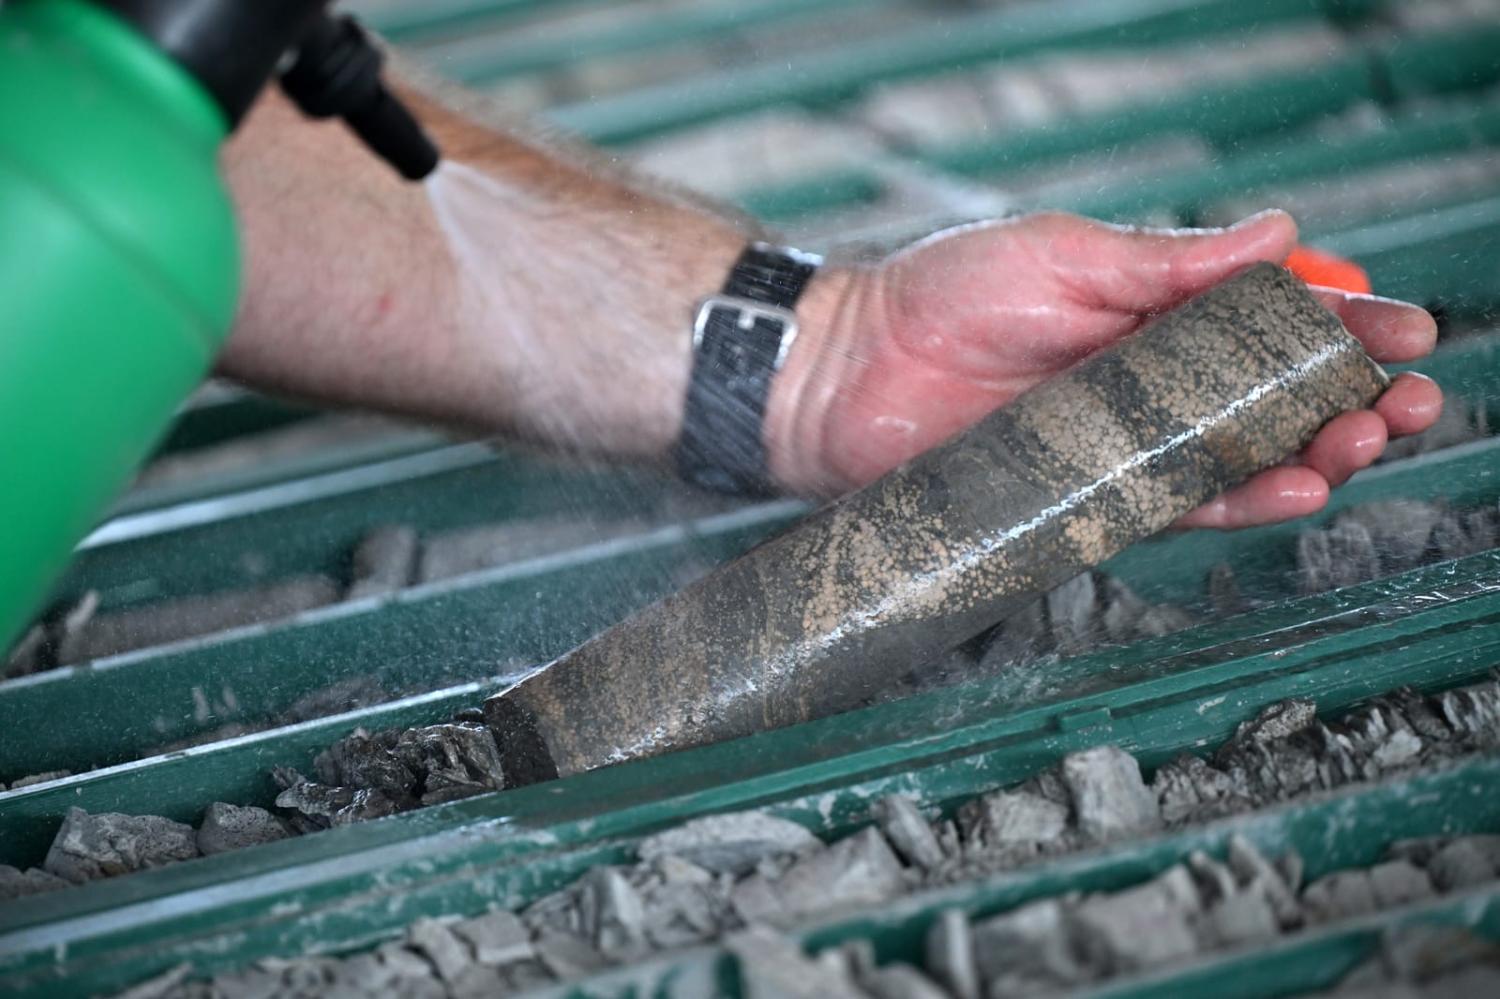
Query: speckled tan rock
point(815, 621)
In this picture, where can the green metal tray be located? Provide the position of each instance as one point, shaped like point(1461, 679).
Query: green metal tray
point(1457, 800)
point(350, 886)
point(446, 645)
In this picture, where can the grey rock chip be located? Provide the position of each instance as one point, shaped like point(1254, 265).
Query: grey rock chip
point(370, 762)
point(385, 561)
point(336, 698)
point(1027, 947)
point(1224, 591)
point(25, 657)
point(88, 847)
point(950, 954)
point(732, 843)
point(478, 981)
point(857, 870)
point(496, 938)
point(1242, 918)
point(437, 942)
point(1399, 529)
point(1123, 611)
point(1397, 882)
point(35, 881)
point(909, 832)
point(1463, 863)
point(113, 632)
point(1163, 619)
point(568, 956)
point(1342, 555)
point(1071, 612)
point(773, 967)
point(1110, 799)
point(456, 760)
point(1216, 880)
point(1340, 895)
point(1188, 788)
point(229, 827)
point(1017, 818)
point(901, 981)
point(756, 900)
point(320, 806)
point(1257, 873)
point(1140, 927)
point(40, 778)
point(612, 912)
point(1275, 722)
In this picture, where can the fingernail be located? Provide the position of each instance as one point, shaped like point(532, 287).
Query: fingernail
point(1259, 216)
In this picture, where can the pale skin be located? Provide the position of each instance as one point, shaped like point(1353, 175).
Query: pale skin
point(578, 337)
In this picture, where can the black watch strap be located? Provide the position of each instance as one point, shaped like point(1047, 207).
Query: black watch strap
point(740, 339)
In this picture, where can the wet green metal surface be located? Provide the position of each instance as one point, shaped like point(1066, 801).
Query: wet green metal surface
point(353, 885)
point(447, 645)
point(948, 45)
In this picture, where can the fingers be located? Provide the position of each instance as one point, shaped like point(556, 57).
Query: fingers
point(1150, 270)
point(1279, 493)
point(1391, 331)
point(1411, 405)
point(1347, 443)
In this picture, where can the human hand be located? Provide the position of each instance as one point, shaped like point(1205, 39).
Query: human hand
point(895, 358)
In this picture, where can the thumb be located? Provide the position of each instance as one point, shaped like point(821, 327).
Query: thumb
point(1150, 270)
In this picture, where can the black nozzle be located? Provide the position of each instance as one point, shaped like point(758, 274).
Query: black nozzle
point(232, 47)
point(337, 74)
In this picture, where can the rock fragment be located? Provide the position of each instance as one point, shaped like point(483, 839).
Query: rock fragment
point(773, 967)
point(731, 843)
point(319, 806)
point(1256, 872)
point(950, 954)
point(112, 632)
point(88, 847)
point(857, 870)
point(900, 981)
point(1008, 819)
point(230, 827)
point(1464, 863)
point(1340, 895)
point(1397, 882)
point(385, 560)
point(613, 915)
point(497, 937)
point(437, 942)
point(1141, 927)
point(16, 883)
point(909, 832)
point(1026, 949)
point(40, 778)
point(1110, 799)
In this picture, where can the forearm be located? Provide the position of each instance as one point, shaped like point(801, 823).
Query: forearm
point(551, 301)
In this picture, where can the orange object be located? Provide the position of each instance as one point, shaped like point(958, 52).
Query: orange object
point(1326, 270)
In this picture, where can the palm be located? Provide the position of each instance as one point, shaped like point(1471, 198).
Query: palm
point(954, 327)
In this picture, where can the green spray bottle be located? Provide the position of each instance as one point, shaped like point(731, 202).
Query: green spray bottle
point(119, 262)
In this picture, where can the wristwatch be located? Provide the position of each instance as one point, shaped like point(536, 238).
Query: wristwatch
point(741, 338)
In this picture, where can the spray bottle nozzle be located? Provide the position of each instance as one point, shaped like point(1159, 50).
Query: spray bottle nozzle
point(336, 73)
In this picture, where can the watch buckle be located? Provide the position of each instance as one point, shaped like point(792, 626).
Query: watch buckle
point(748, 311)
